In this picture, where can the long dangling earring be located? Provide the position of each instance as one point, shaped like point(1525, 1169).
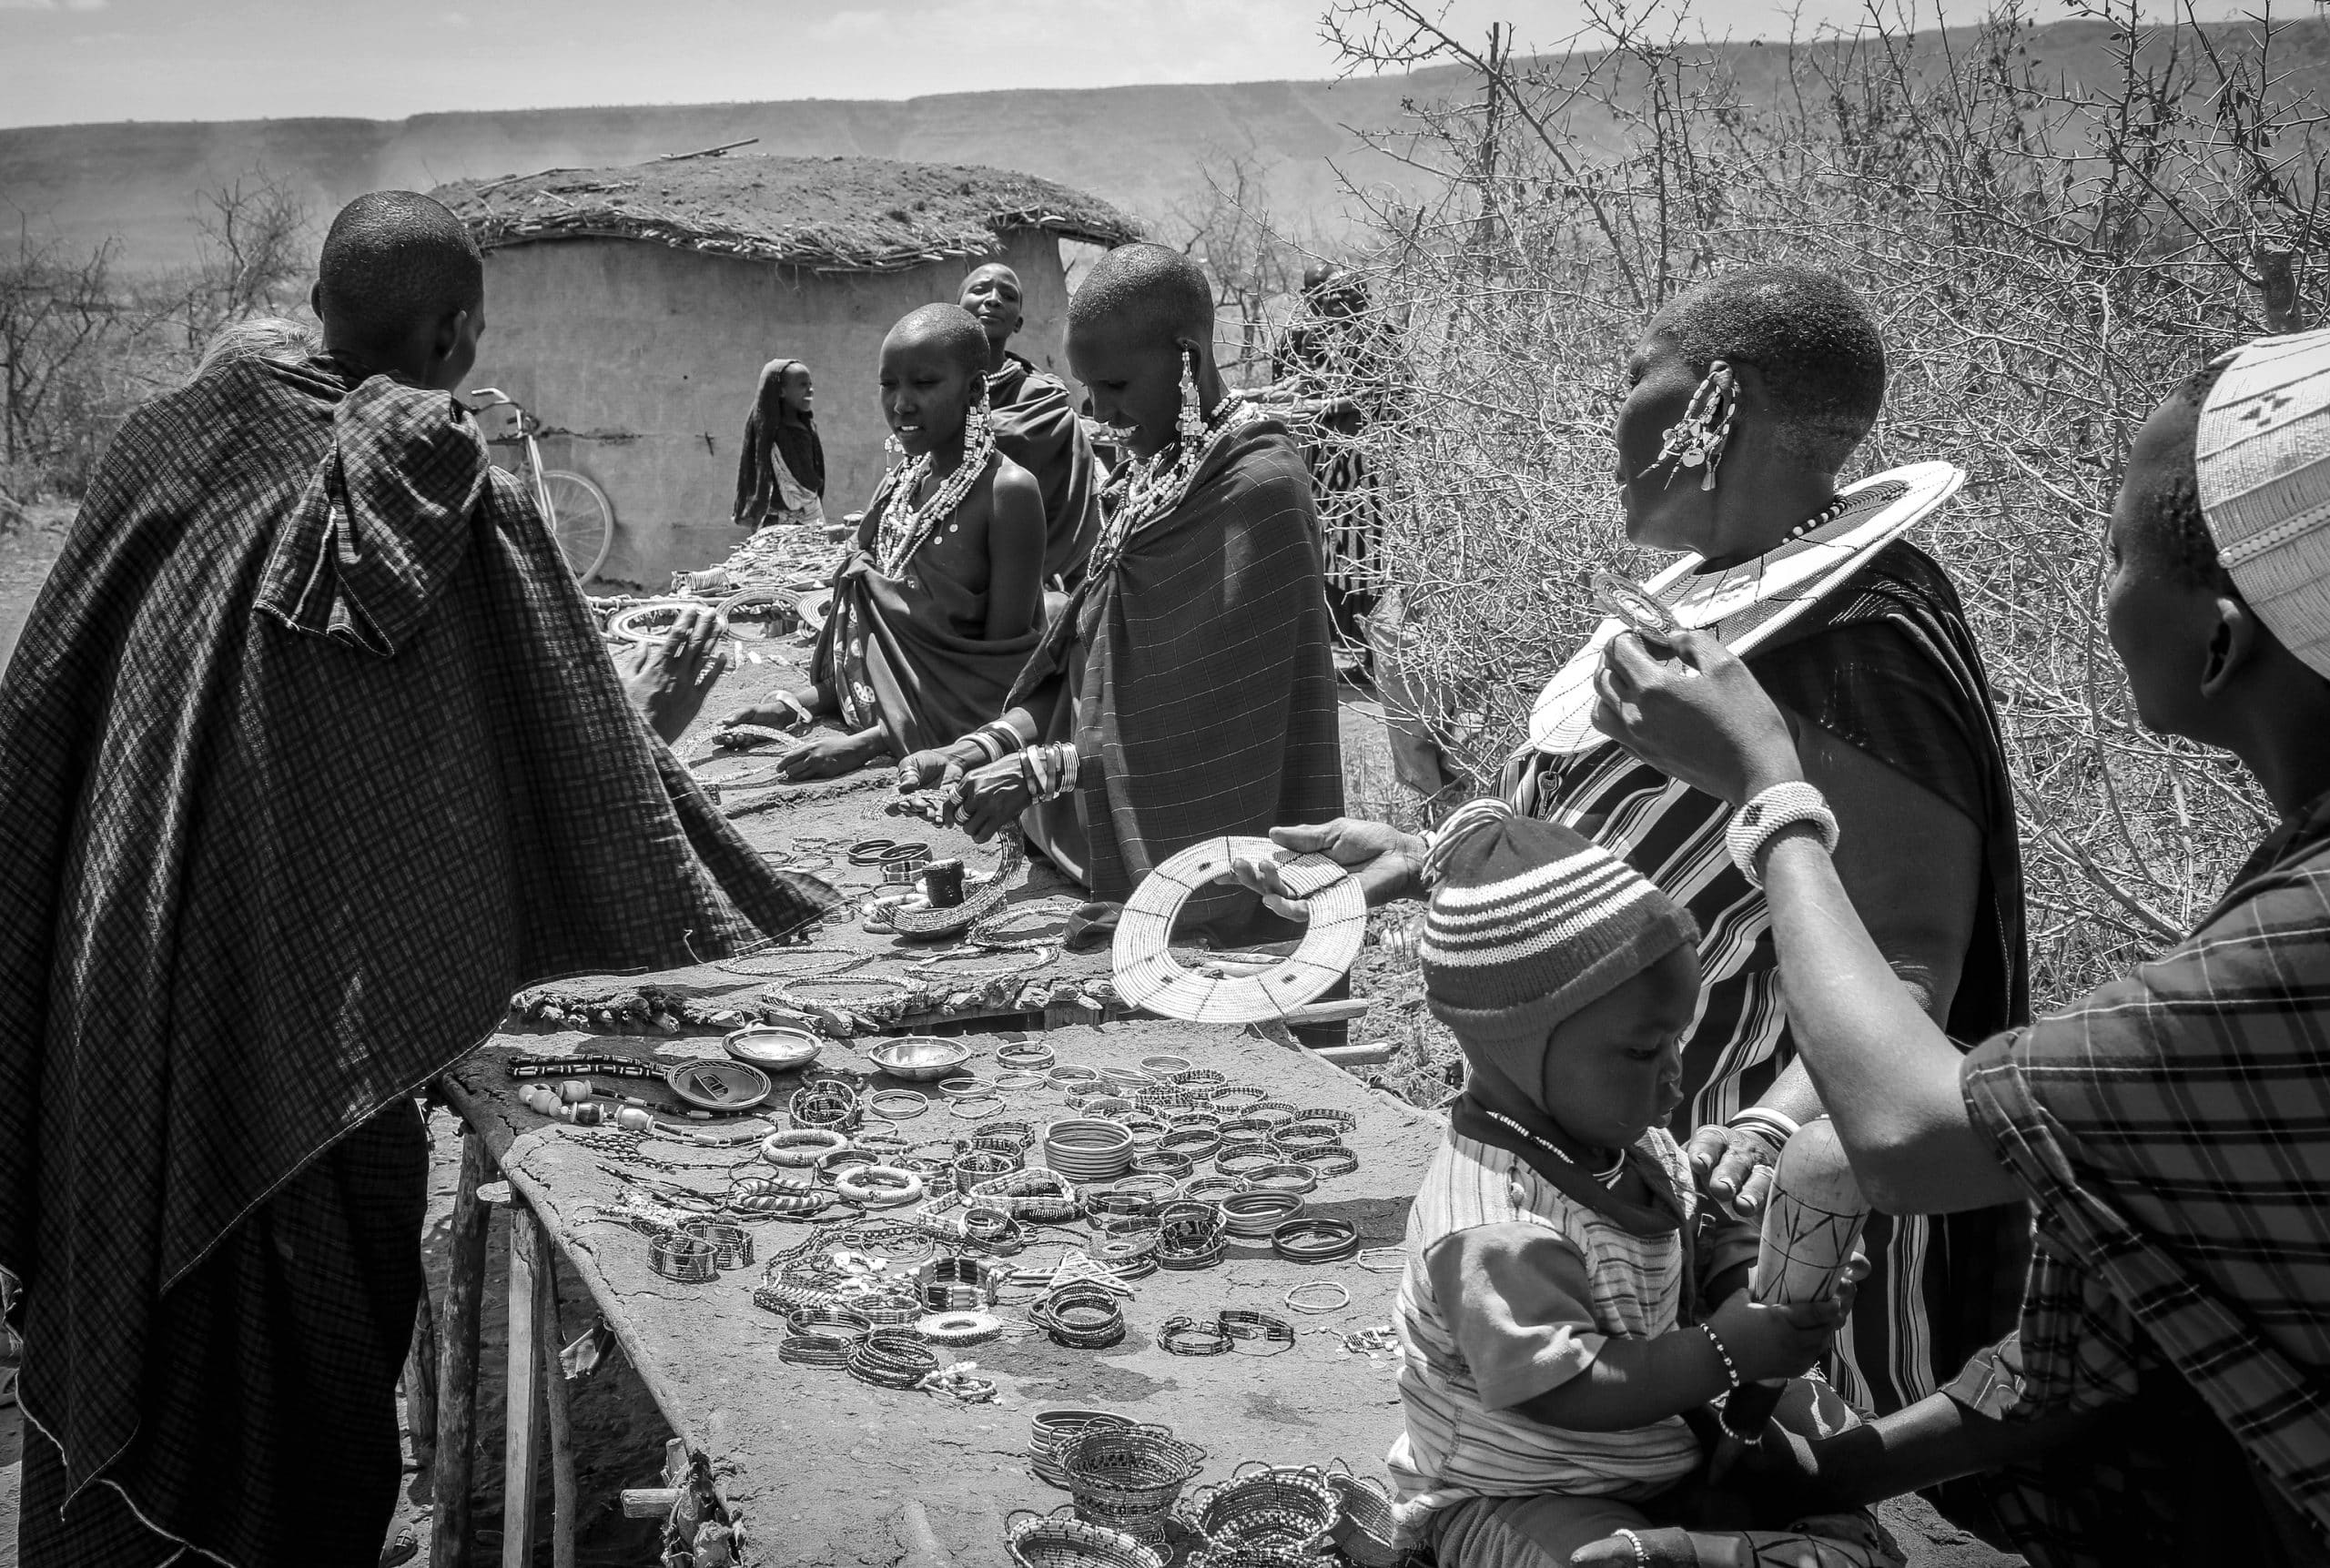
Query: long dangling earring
point(1191, 421)
point(1697, 439)
point(979, 424)
point(894, 453)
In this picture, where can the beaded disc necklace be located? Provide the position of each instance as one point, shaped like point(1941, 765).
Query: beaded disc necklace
point(1150, 487)
point(1609, 1178)
point(906, 528)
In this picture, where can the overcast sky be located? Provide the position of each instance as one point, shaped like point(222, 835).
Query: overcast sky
point(78, 60)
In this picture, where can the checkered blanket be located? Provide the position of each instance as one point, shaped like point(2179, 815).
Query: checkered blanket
point(1203, 690)
point(309, 756)
point(2172, 1130)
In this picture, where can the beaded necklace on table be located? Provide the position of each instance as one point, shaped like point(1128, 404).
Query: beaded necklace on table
point(1149, 488)
point(904, 527)
point(1609, 1178)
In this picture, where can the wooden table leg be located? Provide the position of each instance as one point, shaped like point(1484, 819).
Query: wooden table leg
point(457, 1361)
point(522, 1426)
point(554, 1405)
point(420, 1385)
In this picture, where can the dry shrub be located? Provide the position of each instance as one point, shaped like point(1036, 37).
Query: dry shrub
point(2047, 258)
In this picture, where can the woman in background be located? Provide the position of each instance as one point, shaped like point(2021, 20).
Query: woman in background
point(780, 477)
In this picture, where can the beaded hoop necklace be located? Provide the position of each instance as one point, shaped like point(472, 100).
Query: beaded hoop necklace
point(1609, 1178)
point(906, 528)
point(1149, 488)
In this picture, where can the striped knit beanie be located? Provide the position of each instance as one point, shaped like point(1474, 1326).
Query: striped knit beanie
point(1529, 921)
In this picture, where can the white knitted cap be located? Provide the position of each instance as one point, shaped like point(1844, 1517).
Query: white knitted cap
point(2262, 456)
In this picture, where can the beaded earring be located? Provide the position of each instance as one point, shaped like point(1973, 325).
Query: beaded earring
point(981, 420)
point(1190, 423)
point(1697, 439)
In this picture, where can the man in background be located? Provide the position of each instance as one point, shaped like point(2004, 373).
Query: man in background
point(1036, 425)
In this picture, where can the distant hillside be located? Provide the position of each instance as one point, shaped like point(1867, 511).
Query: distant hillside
point(1140, 147)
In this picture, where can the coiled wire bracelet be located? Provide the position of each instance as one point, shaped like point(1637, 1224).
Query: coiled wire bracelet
point(1315, 1241)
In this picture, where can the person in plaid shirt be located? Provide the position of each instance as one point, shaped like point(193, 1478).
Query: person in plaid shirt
point(2167, 1396)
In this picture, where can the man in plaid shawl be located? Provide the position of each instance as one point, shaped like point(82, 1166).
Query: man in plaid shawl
point(2167, 1397)
point(310, 756)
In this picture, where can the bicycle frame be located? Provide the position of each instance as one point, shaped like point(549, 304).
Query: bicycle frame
point(484, 398)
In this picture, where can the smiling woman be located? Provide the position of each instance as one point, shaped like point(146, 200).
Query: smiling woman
point(937, 607)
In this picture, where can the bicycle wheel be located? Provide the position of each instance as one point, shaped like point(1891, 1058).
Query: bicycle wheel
point(581, 520)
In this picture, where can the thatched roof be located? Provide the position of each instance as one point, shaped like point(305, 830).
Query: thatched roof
point(830, 215)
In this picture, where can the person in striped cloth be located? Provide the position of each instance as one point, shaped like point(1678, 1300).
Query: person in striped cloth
point(1550, 1332)
point(1782, 370)
point(2167, 1397)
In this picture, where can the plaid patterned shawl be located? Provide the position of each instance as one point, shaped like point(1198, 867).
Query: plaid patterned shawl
point(1203, 690)
point(2172, 1130)
point(310, 756)
point(1036, 425)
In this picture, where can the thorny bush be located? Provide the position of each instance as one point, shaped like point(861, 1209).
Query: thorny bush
point(2048, 255)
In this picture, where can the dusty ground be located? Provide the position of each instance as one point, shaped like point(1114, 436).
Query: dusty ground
point(620, 1436)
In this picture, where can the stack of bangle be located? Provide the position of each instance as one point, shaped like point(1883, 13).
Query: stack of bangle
point(1049, 770)
point(1023, 1055)
point(732, 1245)
point(994, 741)
point(1237, 1097)
point(1333, 1160)
point(1315, 1241)
point(1296, 1138)
point(1210, 1188)
point(879, 1186)
point(1080, 1317)
point(690, 1260)
point(892, 1359)
point(1243, 1159)
point(1294, 1179)
point(801, 1147)
point(1272, 1114)
point(1243, 1324)
point(822, 1337)
point(1162, 1162)
point(1769, 1127)
point(1186, 1336)
point(1255, 1215)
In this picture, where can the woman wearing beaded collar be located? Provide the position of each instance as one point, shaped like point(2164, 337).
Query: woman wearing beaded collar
point(1188, 689)
point(1745, 397)
point(940, 604)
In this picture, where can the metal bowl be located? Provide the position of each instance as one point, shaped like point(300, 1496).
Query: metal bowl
point(771, 1048)
point(920, 1059)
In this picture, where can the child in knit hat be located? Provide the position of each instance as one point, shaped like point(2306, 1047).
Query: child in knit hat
point(1550, 1340)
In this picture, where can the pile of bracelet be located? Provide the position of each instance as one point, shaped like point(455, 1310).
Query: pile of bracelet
point(892, 1359)
point(1080, 1317)
point(826, 1103)
point(776, 1198)
point(1190, 1235)
point(959, 1327)
point(1315, 1241)
point(957, 1284)
point(1255, 1215)
point(822, 1336)
point(1186, 1336)
point(732, 1245)
point(1247, 1326)
point(690, 1260)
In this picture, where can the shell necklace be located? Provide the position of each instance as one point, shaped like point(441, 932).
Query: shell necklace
point(1149, 488)
point(906, 528)
point(1608, 1178)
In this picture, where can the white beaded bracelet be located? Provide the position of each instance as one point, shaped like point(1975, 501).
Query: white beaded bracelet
point(1782, 807)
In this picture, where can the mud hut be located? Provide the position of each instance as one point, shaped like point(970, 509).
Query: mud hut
point(631, 310)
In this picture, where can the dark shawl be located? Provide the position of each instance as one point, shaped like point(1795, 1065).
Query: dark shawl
point(918, 643)
point(1036, 425)
point(1204, 693)
point(773, 433)
point(310, 756)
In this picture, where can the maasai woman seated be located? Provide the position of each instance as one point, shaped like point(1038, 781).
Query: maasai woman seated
point(940, 604)
point(781, 476)
point(1187, 690)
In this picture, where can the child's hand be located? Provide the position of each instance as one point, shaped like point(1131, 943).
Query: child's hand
point(1777, 1340)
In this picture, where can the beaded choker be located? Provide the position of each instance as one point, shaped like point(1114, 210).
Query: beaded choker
point(1609, 1178)
point(1149, 488)
point(906, 528)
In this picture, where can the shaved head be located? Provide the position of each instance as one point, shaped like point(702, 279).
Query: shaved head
point(396, 263)
point(949, 329)
point(1152, 291)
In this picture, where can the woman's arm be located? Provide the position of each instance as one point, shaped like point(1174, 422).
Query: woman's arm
point(1887, 1074)
point(1015, 553)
